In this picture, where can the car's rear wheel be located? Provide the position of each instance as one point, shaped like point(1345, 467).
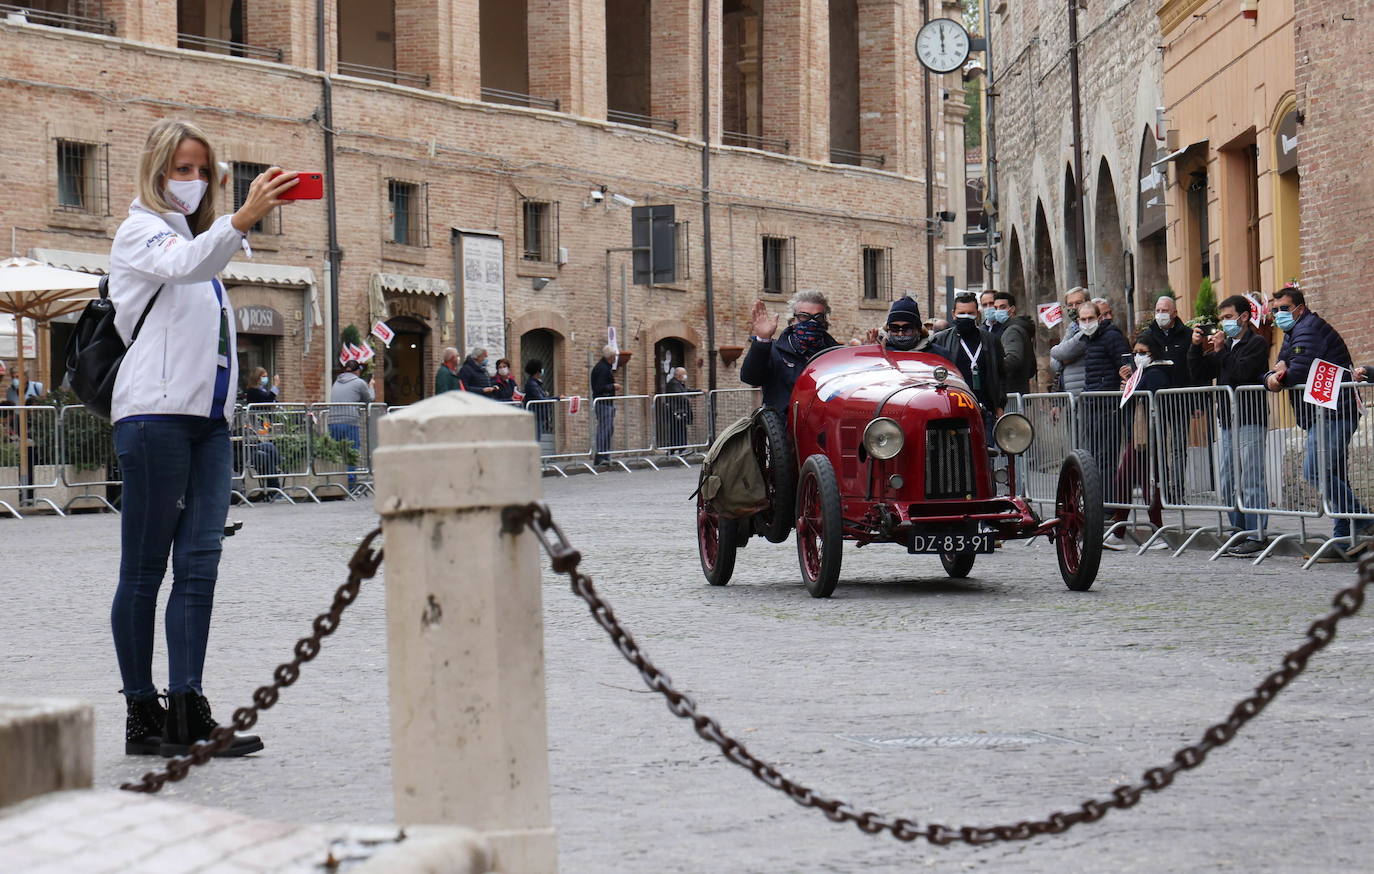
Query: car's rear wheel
point(958, 564)
point(820, 527)
point(717, 540)
point(774, 452)
point(1078, 504)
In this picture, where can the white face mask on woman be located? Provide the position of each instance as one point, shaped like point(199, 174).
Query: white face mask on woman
point(185, 194)
point(1141, 361)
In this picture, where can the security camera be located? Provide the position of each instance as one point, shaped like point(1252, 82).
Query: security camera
point(622, 200)
point(597, 195)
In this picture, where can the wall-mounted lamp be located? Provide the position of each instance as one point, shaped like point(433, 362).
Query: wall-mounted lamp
point(540, 282)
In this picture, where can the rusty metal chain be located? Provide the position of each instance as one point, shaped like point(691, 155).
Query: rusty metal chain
point(565, 560)
point(362, 566)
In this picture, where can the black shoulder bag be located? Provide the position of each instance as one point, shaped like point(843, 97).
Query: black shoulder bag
point(95, 351)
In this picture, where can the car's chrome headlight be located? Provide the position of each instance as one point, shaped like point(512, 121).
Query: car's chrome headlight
point(940, 373)
point(1013, 433)
point(883, 438)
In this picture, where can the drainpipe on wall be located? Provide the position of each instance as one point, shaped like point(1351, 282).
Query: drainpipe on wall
point(1080, 239)
point(929, 223)
point(990, 157)
point(706, 193)
point(335, 254)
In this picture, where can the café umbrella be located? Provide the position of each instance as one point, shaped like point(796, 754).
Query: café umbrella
point(32, 290)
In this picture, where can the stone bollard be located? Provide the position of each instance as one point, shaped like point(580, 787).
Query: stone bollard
point(46, 745)
point(465, 635)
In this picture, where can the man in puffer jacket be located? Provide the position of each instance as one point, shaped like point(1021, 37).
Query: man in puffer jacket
point(1067, 356)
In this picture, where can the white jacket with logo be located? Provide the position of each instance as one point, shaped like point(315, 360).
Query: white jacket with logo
point(171, 367)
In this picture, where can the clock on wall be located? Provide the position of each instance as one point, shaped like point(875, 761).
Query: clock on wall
point(942, 45)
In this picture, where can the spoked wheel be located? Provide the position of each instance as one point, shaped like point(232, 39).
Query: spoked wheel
point(717, 540)
point(1078, 503)
point(774, 452)
point(819, 527)
point(958, 564)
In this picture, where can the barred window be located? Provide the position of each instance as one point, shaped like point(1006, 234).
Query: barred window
point(877, 268)
point(683, 244)
point(779, 264)
point(82, 177)
point(408, 204)
point(243, 175)
point(539, 223)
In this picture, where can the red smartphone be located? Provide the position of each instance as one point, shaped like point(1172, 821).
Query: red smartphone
point(309, 186)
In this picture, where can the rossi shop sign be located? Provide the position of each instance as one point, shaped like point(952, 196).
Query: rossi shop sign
point(255, 319)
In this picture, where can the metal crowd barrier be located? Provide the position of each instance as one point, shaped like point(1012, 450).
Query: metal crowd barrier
point(622, 429)
point(30, 458)
point(1037, 470)
point(563, 436)
point(1189, 462)
point(682, 424)
point(1344, 459)
point(1285, 492)
point(340, 448)
point(729, 405)
point(287, 428)
point(89, 460)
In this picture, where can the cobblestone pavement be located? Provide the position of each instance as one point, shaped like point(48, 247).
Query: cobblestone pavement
point(1069, 693)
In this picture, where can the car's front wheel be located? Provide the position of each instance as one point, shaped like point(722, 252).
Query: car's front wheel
point(958, 564)
point(820, 527)
point(1078, 503)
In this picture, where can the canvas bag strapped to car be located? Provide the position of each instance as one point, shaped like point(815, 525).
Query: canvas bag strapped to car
point(95, 351)
point(731, 480)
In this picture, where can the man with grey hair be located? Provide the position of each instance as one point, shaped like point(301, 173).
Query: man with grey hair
point(1104, 308)
point(604, 386)
point(1066, 358)
point(446, 379)
point(774, 365)
point(676, 413)
point(474, 373)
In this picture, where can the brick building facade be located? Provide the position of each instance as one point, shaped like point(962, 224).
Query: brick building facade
point(518, 135)
point(1123, 252)
point(1335, 61)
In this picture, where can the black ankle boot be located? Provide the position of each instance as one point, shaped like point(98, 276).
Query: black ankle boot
point(143, 726)
point(189, 720)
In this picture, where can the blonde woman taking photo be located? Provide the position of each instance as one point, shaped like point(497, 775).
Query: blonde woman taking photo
point(171, 409)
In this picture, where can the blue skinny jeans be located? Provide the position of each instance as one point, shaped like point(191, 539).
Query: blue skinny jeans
point(176, 497)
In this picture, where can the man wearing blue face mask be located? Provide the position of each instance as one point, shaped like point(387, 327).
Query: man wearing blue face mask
point(1237, 356)
point(1308, 337)
point(1017, 334)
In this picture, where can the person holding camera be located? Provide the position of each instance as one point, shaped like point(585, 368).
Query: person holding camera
point(1237, 356)
point(171, 407)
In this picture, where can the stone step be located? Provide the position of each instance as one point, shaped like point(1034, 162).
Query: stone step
point(46, 745)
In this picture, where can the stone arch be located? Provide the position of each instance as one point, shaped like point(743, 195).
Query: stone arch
point(694, 351)
point(1109, 249)
point(1151, 256)
point(1072, 204)
point(561, 374)
point(1014, 279)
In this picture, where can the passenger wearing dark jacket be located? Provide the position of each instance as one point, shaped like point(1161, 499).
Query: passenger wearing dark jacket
point(774, 365)
point(604, 386)
point(1104, 351)
point(473, 373)
point(1237, 356)
point(534, 391)
point(978, 355)
point(1309, 337)
point(1175, 337)
point(1017, 334)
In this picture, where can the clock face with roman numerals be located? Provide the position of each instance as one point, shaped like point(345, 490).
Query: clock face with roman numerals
point(942, 45)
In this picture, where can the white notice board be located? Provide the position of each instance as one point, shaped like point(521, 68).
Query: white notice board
point(484, 294)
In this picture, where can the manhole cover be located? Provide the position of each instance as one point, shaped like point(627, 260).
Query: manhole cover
point(977, 739)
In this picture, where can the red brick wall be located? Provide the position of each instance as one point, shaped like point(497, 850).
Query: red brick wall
point(1337, 194)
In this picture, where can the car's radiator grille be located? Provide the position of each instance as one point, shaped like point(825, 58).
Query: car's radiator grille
point(949, 460)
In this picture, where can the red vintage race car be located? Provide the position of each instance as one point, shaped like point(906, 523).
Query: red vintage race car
point(890, 447)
